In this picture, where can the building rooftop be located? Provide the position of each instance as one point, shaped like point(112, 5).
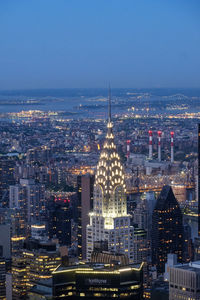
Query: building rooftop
point(98, 267)
point(192, 266)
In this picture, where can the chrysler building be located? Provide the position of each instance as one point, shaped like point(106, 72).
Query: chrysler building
point(109, 220)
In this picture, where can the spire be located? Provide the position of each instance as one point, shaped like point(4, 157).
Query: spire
point(109, 104)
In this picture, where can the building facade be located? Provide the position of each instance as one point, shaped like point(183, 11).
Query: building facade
point(97, 281)
point(109, 220)
point(184, 282)
point(167, 229)
point(85, 186)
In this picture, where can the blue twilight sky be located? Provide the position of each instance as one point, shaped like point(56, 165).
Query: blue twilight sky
point(86, 43)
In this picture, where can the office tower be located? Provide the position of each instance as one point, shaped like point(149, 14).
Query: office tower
point(6, 179)
point(184, 282)
point(42, 258)
point(18, 230)
point(85, 186)
point(2, 276)
point(5, 240)
point(19, 278)
point(29, 197)
point(109, 219)
point(167, 229)
point(13, 229)
point(36, 262)
point(140, 245)
point(92, 281)
point(142, 217)
point(60, 215)
point(197, 239)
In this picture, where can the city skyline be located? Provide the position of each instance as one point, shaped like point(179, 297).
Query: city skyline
point(99, 202)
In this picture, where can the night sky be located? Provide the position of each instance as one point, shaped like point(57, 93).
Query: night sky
point(88, 43)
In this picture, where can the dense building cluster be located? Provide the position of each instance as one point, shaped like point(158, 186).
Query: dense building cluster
point(90, 208)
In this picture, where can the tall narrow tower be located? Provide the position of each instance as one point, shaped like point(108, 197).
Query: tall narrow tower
point(150, 144)
point(172, 146)
point(159, 145)
point(109, 220)
point(128, 148)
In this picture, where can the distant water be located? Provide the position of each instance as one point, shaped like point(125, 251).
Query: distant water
point(69, 100)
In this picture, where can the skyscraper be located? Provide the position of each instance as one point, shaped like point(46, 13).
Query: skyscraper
point(60, 220)
point(7, 178)
point(85, 185)
point(167, 229)
point(29, 197)
point(109, 219)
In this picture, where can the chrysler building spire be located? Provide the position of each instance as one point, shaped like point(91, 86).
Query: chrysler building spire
point(109, 220)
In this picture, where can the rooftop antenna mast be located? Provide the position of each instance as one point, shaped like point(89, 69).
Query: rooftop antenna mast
point(109, 104)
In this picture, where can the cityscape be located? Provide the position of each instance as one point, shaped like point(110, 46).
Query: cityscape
point(99, 179)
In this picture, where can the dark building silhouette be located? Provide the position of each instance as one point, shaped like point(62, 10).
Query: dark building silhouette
point(59, 224)
point(167, 229)
point(7, 165)
point(197, 239)
point(85, 185)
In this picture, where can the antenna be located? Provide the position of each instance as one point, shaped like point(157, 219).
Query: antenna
point(109, 104)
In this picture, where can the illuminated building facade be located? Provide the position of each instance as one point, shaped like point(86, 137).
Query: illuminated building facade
point(109, 220)
point(30, 198)
point(19, 278)
point(85, 186)
point(2, 278)
point(37, 262)
point(41, 259)
point(167, 229)
point(98, 281)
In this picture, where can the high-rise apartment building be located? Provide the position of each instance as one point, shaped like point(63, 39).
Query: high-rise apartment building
point(29, 197)
point(85, 186)
point(109, 220)
point(6, 178)
point(184, 281)
point(167, 229)
point(36, 262)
